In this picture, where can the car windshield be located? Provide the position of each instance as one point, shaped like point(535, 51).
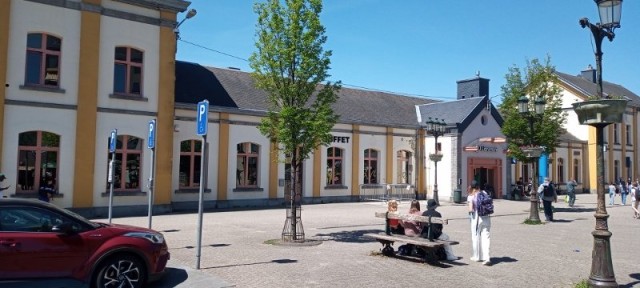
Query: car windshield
point(79, 217)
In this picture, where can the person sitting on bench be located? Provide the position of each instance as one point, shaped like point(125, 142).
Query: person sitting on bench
point(434, 231)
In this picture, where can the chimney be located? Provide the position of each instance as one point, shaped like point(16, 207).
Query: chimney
point(475, 87)
point(589, 74)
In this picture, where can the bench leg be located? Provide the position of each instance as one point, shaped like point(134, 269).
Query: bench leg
point(387, 249)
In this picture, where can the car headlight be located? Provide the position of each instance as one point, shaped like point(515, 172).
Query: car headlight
point(156, 238)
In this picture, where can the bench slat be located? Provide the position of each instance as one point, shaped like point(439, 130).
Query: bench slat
point(409, 217)
point(418, 241)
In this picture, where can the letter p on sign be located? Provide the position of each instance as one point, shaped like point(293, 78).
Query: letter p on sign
point(202, 122)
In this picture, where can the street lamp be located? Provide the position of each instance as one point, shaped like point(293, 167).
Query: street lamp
point(436, 128)
point(601, 263)
point(532, 150)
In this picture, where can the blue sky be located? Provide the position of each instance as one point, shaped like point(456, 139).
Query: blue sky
point(421, 48)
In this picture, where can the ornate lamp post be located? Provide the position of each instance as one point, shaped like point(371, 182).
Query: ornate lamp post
point(601, 263)
point(435, 128)
point(532, 150)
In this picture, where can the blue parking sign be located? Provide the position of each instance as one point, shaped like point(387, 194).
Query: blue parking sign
point(202, 122)
point(151, 142)
point(112, 140)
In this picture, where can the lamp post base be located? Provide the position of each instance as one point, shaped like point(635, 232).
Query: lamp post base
point(601, 266)
point(534, 214)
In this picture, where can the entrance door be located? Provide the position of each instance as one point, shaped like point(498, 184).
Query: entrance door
point(486, 178)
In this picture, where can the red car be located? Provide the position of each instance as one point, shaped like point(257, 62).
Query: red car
point(39, 241)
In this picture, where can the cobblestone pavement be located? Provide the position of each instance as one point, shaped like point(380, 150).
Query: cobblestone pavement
point(234, 253)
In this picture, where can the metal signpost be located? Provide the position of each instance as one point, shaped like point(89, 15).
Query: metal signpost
point(112, 148)
point(202, 124)
point(151, 144)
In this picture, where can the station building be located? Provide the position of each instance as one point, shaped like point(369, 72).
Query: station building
point(76, 70)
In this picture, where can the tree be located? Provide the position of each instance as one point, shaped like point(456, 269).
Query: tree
point(290, 64)
point(538, 81)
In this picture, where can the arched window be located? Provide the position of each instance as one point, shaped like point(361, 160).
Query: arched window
point(190, 158)
point(43, 60)
point(560, 170)
point(127, 71)
point(38, 155)
point(247, 165)
point(370, 166)
point(126, 166)
point(405, 168)
point(334, 166)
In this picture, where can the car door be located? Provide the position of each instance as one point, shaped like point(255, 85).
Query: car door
point(29, 249)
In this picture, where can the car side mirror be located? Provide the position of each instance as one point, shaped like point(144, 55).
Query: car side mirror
point(64, 228)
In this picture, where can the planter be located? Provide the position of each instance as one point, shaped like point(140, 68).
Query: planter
point(602, 111)
point(531, 152)
point(435, 157)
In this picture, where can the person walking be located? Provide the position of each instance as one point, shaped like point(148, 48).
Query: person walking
point(635, 200)
point(612, 193)
point(480, 228)
point(624, 191)
point(549, 194)
point(571, 191)
point(2, 177)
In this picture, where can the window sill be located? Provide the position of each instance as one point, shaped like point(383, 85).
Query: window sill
point(32, 195)
point(248, 189)
point(335, 187)
point(42, 88)
point(132, 97)
point(190, 191)
point(125, 193)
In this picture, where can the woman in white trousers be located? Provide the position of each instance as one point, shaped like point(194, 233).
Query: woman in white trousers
point(480, 229)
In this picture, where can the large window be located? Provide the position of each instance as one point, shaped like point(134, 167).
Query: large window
point(560, 170)
point(615, 134)
point(43, 60)
point(37, 159)
point(247, 165)
point(334, 166)
point(370, 166)
point(405, 168)
point(576, 170)
point(126, 167)
point(616, 170)
point(628, 133)
point(127, 71)
point(190, 158)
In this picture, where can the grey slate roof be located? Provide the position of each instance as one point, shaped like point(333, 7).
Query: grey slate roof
point(457, 112)
point(589, 88)
point(228, 88)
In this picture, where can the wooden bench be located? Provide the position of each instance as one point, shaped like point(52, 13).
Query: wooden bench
point(387, 239)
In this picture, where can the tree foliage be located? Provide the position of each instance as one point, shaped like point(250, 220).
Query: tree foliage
point(537, 80)
point(290, 64)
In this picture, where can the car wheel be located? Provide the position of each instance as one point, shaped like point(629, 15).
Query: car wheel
point(121, 271)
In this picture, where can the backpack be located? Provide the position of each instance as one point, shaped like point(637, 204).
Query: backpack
point(484, 204)
point(547, 191)
point(637, 193)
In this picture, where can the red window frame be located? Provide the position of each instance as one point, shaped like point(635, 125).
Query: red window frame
point(370, 175)
point(124, 151)
point(44, 52)
point(128, 64)
point(332, 159)
point(247, 153)
point(195, 151)
point(37, 151)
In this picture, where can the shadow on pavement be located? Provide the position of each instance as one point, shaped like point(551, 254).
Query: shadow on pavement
point(349, 236)
point(632, 284)
point(277, 261)
point(573, 209)
point(498, 260)
point(172, 278)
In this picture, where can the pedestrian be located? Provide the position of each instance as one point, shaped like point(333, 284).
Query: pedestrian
point(612, 193)
point(635, 200)
point(47, 189)
point(624, 191)
point(571, 191)
point(549, 194)
point(434, 230)
point(2, 177)
point(480, 228)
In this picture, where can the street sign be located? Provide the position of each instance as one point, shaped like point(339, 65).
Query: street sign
point(112, 140)
point(151, 142)
point(202, 122)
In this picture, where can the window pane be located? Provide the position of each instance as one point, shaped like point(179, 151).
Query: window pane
point(338, 152)
point(198, 145)
point(49, 162)
point(240, 148)
point(34, 40)
point(133, 171)
point(34, 64)
point(185, 170)
point(185, 146)
point(26, 169)
point(119, 76)
point(121, 53)
point(28, 138)
point(366, 153)
point(254, 149)
point(134, 143)
point(117, 172)
point(240, 173)
point(135, 80)
point(329, 152)
point(136, 56)
point(374, 172)
point(374, 154)
point(50, 140)
point(196, 170)
point(253, 171)
point(51, 70)
point(53, 43)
